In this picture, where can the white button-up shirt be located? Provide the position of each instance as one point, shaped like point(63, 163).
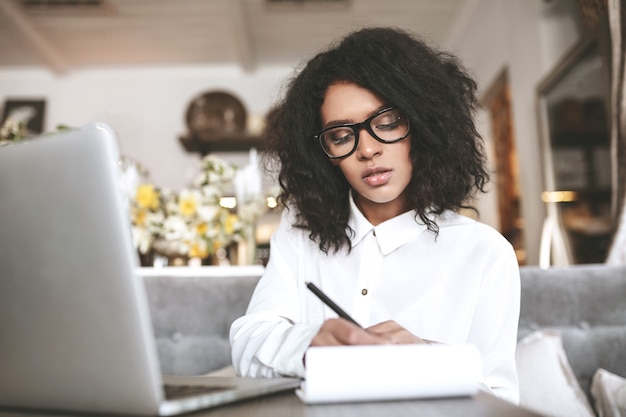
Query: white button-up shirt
point(460, 287)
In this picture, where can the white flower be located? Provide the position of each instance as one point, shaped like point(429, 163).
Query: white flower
point(174, 228)
point(142, 239)
point(215, 171)
point(211, 192)
point(12, 130)
point(155, 219)
point(208, 212)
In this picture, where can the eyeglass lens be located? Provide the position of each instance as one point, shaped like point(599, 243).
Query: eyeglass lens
point(389, 126)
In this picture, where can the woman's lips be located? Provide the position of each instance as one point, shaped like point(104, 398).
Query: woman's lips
point(377, 176)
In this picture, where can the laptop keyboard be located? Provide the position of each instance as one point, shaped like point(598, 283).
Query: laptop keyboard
point(174, 392)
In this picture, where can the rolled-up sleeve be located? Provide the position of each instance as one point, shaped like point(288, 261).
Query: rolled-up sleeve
point(270, 339)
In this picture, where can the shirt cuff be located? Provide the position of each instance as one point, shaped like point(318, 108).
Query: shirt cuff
point(295, 344)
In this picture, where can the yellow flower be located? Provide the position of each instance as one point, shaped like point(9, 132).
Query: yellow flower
point(140, 217)
point(216, 245)
point(201, 228)
point(187, 204)
point(197, 250)
point(147, 197)
point(229, 224)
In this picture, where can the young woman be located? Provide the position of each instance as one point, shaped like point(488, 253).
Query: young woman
point(378, 153)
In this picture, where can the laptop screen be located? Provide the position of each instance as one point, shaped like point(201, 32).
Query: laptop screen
point(73, 316)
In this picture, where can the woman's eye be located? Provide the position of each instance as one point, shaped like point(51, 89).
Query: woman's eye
point(340, 138)
point(389, 124)
point(389, 120)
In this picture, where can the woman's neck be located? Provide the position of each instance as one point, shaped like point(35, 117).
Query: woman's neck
point(377, 213)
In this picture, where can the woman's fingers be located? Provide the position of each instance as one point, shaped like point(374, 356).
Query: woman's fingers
point(336, 332)
point(394, 332)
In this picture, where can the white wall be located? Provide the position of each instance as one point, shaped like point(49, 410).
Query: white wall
point(146, 107)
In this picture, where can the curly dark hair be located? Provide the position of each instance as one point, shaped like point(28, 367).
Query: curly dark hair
point(431, 87)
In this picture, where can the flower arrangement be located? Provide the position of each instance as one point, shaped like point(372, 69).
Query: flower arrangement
point(193, 222)
point(12, 131)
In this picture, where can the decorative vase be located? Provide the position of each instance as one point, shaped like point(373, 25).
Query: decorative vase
point(171, 252)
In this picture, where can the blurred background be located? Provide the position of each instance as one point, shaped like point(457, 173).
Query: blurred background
point(180, 80)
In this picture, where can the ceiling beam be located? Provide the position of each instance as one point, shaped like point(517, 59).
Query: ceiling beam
point(241, 33)
point(51, 57)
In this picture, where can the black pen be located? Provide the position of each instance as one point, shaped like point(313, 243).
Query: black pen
point(330, 303)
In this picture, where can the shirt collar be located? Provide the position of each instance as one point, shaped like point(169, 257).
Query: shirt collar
point(390, 234)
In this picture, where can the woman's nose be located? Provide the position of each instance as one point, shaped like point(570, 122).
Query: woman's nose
point(368, 147)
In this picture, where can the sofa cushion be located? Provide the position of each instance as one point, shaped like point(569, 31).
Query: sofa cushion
point(609, 394)
point(546, 380)
point(586, 304)
point(595, 347)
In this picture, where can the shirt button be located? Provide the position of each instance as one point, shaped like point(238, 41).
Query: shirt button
point(374, 233)
point(364, 291)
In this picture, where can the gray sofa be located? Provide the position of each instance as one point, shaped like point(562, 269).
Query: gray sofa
point(192, 314)
point(587, 305)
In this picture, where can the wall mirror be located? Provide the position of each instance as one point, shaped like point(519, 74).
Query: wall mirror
point(574, 116)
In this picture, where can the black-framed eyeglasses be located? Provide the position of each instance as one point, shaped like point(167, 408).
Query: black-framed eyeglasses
point(387, 126)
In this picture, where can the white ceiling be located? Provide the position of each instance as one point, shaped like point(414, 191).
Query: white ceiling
point(248, 33)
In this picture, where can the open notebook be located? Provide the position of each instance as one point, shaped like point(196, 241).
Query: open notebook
point(390, 372)
point(75, 330)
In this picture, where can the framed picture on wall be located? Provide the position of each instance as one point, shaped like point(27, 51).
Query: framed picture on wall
point(31, 112)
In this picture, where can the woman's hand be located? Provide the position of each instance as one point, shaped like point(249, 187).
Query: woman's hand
point(341, 332)
point(395, 333)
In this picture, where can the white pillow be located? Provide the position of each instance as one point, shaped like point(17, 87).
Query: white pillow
point(547, 383)
point(609, 394)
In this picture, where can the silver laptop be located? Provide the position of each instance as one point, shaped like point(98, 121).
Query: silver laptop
point(75, 330)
